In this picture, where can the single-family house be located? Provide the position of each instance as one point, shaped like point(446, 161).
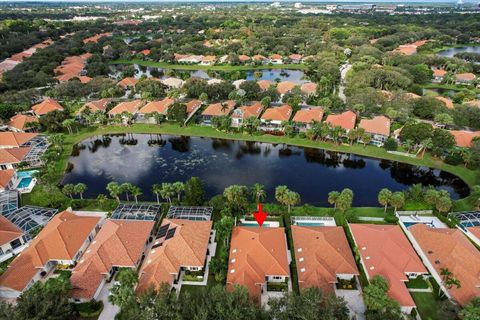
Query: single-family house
point(160, 107)
point(305, 117)
point(273, 117)
point(118, 244)
point(258, 58)
point(12, 239)
point(276, 59)
point(447, 102)
point(258, 260)
point(10, 158)
point(345, 120)
point(445, 248)
point(46, 106)
point(385, 251)
point(7, 179)
point(61, 242)
point(193, 105)
point(473, 103)
point(438, 75)
point(265, 84)
point(130, 107)
point(10, 140)
point(243, 58)
point(171, 82)
point(181, 250)
point(295, 58)
point(285, 87)
point(378, 127)
point(208, 60)
point(217, 110)
point(245, 112)
point(465, 78)
point(22, 123)
point(95, 106)
point(308, 88)
point(127, 83)
point(323, 257)
point(464, 138)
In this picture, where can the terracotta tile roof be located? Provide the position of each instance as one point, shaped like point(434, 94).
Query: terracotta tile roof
point(15, 139)
point(325, 253)
point(97, 37)
point(468, 76)
point(209, 58)
point(254, 254)
point(145, 52)
point(46, 106)
point(7, 65)
point(258, 57)
point(157, 106)
point(265, 84)
point(346, 120)
point(8, 231)
point(71, 67)
point(188, 247)
point(464, 138)
point(475, 231)
point(275, 56)
point(243, 57)
point(97, 105)
point(309, 88)
point(19, 121)
point(295, 56)
point(449, 248)
point(60, 239)
point(448, 103)
point(378, 125)
point(219, 109)
point(285, 86)
point(192, 105)
point(308, 115)
point(128, 106)
point(411, 96)
point(127, 82)
point(13, 155)
point(5, 177)
point(386, 251)
point(119, 243)
point(282, 113)
point(406, 49)
point(439, 72)
point(473, 103)
point(244, 112)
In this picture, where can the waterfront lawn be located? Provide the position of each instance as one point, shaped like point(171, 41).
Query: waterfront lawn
point(427, 305)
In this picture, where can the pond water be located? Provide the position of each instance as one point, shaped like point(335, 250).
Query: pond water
point(148, 159)
point(449, 53)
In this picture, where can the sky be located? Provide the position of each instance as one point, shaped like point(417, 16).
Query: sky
point(319, 1)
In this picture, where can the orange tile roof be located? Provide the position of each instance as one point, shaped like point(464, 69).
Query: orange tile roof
point(346, 120)
point(97, 37)
point(127, 82)
point(71, 67)
point(464, 138)
point(19, 121)
point(157, 106)
point(5, 177)
point(8, 231)
point(468, 76)
point(411, 96)
point(439, 72)
point(295, 56)
point(308, 115)
point(218, 109)
point(128, 106)
point(377, 125)
point(448, 103)
point(97, 105)
point(449, 248)
point(309, 88)
point(254, 254)
point(145, 52)
point(243, 57)
point(275, 56)
point(245, 112)
point(265, 84)
point(475, 231)
point(15, 139)
point(60, 239)
point(119, 243)
point(282, 113)
point(192, 105)
point(406, 49)
point(386, 251)
point(46, 106)
point(473, 103)
point(285, 86)
point(13, 155)
point(188, 247)
point(258, 57)
point(325, 253)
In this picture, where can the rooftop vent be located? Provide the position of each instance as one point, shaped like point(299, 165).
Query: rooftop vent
point(299, 249)
point(364, 248)
point(372, 268)
point(232, 271)
point(233, 261)
point(301, 259)
point(302, 270)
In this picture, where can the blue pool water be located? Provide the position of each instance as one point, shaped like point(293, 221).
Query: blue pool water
point(25, 182)
point(310, 224)
point(265, 225)
point(26, 174)
point(409, 224)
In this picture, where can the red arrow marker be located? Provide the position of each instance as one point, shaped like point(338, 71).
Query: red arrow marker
point(260, 216)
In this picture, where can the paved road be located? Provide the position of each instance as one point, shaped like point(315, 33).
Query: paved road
point(344, 68)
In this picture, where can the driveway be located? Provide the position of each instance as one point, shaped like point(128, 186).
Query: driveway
point(354, 302)
point(109, 310)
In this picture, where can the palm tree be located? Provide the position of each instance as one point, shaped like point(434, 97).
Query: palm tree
point(157, 190)
point(366, 138)
point(291, 198)
point(136, 192)
point(126, 187)
point(114, 189)
point(258, 192)
point(448, 279)
point(68, 123)
point(397, 200)
point(68, 190)
point(167, 192)
point(178, 187)
point(80, 188)
point(384, 197)
point(352, 135)
point(333, 198)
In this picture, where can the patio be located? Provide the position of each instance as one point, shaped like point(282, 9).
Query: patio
point(138, 211)
point(190, 213)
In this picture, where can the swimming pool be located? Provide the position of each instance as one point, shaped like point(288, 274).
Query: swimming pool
point(310, 224)
point(409, 224)
point(265, 225)
point(25, 182)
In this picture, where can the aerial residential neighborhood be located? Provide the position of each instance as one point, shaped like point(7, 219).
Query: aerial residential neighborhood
point(226, 160)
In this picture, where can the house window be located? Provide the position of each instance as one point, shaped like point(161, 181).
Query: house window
point(3, 167)
point(277, 278)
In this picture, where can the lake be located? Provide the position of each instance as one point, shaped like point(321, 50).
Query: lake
point(148, 159)
point(449, 53)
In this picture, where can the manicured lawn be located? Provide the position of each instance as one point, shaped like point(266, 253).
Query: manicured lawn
point(427, 305)
point(166, 65)
point(417, 283)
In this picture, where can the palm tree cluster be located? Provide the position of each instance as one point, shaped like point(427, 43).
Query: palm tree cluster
point(322, 131)
point(287, 197)
point(168, 191)
point(74, 189)
point(395, 199)
point(341, 200)
point(115, 189)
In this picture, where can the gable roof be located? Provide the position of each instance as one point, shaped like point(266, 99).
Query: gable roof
point(377, 125)
point(265, 84)
point(127, 82)
point(157, 106)
point(448, 102)
point(386, 251)
point(192, 105)
point(97, 105)
point(15, 139)
point(46, 106)
point(20, 121)
point(282, 113)
point(308, 88)
point(308, 115)
point(13, 155)
point(187, 247)
point(254, 254)
point(449, 248)
point(5, 177)
point(285, 86)
point(439, 72)
point(245, 112)
point(464, 138)
point(321, 253)
point(346, 120)
point(467, 76)
point(8, 231)
point(219, 109)
point(119, 243)
point(127, 106)
point(60, 239)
